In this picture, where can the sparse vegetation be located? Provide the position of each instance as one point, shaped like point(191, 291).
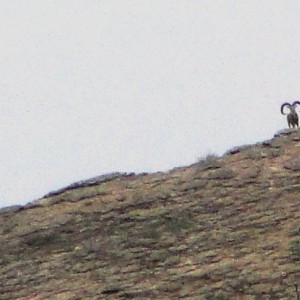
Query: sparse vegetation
point(294, 232)
point(295, 249)
point(209, 161)
point(275, 152)
point(151, 232)
point(47, 240)
point(293, 164)
point(251, 173)
point(194, 185)
point(177, 224)
point(224, 173)
point(218, 295)
point(158, 256)
point(254, 153)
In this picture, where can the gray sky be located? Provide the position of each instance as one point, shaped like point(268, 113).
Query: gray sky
point(95, 86)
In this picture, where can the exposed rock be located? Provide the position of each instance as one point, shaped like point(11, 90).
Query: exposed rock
point(88, 182)
point(284, 132)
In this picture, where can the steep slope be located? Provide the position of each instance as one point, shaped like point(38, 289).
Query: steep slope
point(223, 228)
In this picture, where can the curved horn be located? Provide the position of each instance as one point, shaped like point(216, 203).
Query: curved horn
point(283, 105)
point(296, 102)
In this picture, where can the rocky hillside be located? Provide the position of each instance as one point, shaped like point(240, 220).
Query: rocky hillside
point(224, 228)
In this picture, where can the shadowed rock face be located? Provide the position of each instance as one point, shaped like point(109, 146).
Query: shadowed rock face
point(223, 228)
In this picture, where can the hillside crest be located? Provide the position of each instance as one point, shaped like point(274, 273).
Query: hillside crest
point(223, 228)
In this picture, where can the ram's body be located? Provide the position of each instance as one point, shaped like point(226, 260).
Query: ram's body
point(292, 117)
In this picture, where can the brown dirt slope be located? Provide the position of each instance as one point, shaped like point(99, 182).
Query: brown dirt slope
point(223, 228)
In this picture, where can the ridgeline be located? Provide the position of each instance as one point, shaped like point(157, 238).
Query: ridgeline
point(223, 228)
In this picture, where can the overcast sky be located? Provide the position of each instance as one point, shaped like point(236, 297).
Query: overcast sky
point(94, 86)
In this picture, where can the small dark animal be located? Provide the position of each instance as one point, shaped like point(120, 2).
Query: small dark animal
point(292, 117)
